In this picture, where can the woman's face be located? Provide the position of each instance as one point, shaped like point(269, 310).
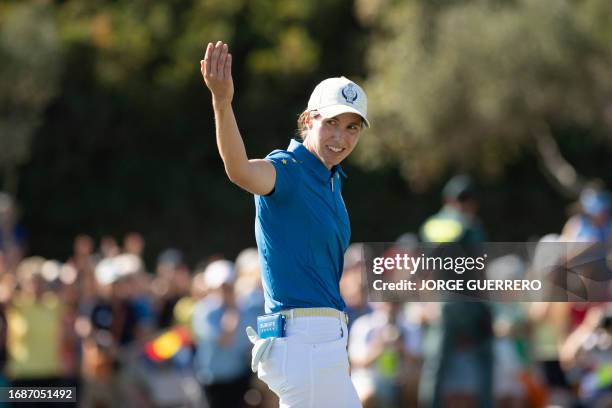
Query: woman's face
point(332, 140)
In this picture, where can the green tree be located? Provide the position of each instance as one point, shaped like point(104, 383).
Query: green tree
point(29, 73)
point(474, 85)
point(132, 132)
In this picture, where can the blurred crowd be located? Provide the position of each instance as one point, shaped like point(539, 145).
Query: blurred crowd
point(174, 336)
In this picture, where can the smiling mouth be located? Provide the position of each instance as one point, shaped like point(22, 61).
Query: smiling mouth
point(335, 149)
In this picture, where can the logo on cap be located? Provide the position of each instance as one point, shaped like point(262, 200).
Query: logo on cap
point(349, 93)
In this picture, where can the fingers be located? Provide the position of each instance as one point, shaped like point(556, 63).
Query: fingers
point(214, 62)
point(260, 352)
point(256, 354)
point(228, 66)
point(267, 347)
point(216, 68)
point(252, 334)
point(221, 62)
point(207, 57)
point(217, 62)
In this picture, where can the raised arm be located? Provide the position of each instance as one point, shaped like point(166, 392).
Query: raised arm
point(256, 176)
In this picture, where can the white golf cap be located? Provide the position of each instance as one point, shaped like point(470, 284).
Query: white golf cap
point(334, 96)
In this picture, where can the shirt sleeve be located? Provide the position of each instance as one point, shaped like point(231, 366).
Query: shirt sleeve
point(288, 173)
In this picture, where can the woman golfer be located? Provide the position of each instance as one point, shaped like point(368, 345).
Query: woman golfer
point(302, 230)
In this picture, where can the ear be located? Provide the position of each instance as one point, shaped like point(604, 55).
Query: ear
point(309, 119)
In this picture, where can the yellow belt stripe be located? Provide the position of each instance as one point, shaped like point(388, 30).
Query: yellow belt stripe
point(315, 312)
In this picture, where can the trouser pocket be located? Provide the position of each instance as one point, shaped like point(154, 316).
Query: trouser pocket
point(329, 360)
point(317, 376)
point(272, 370)
point(331, 376)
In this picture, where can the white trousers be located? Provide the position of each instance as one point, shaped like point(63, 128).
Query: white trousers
point(309, 367)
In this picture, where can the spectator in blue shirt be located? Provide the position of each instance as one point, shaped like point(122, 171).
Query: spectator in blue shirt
point(222, 354)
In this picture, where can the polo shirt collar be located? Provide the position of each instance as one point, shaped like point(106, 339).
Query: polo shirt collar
point(312, 162)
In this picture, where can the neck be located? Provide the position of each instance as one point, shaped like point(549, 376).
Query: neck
point(312, 150)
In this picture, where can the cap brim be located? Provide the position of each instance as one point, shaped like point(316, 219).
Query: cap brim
point(335, 110)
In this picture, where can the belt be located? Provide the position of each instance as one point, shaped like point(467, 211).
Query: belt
point(315, 312)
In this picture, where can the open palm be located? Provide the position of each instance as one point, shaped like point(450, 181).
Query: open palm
point(216, 68)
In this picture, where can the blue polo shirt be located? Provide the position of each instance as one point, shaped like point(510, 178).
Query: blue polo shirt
point(302, 230)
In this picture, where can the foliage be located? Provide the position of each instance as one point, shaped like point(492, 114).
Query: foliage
point(29, 73)
point(471, 85)
point(128, 143)
point(126, 134)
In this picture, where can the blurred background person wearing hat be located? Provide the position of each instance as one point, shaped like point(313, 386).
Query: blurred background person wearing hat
point(458, 347)
point(108, 326)
point(302, 231)
point(248, 279)
point(457, 220)
point(219, 322)
point(591, 224)
point(594, 222)
point(172, 282)
point(35, 329)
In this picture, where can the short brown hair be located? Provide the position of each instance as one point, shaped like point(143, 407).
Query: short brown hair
point(302, 129)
